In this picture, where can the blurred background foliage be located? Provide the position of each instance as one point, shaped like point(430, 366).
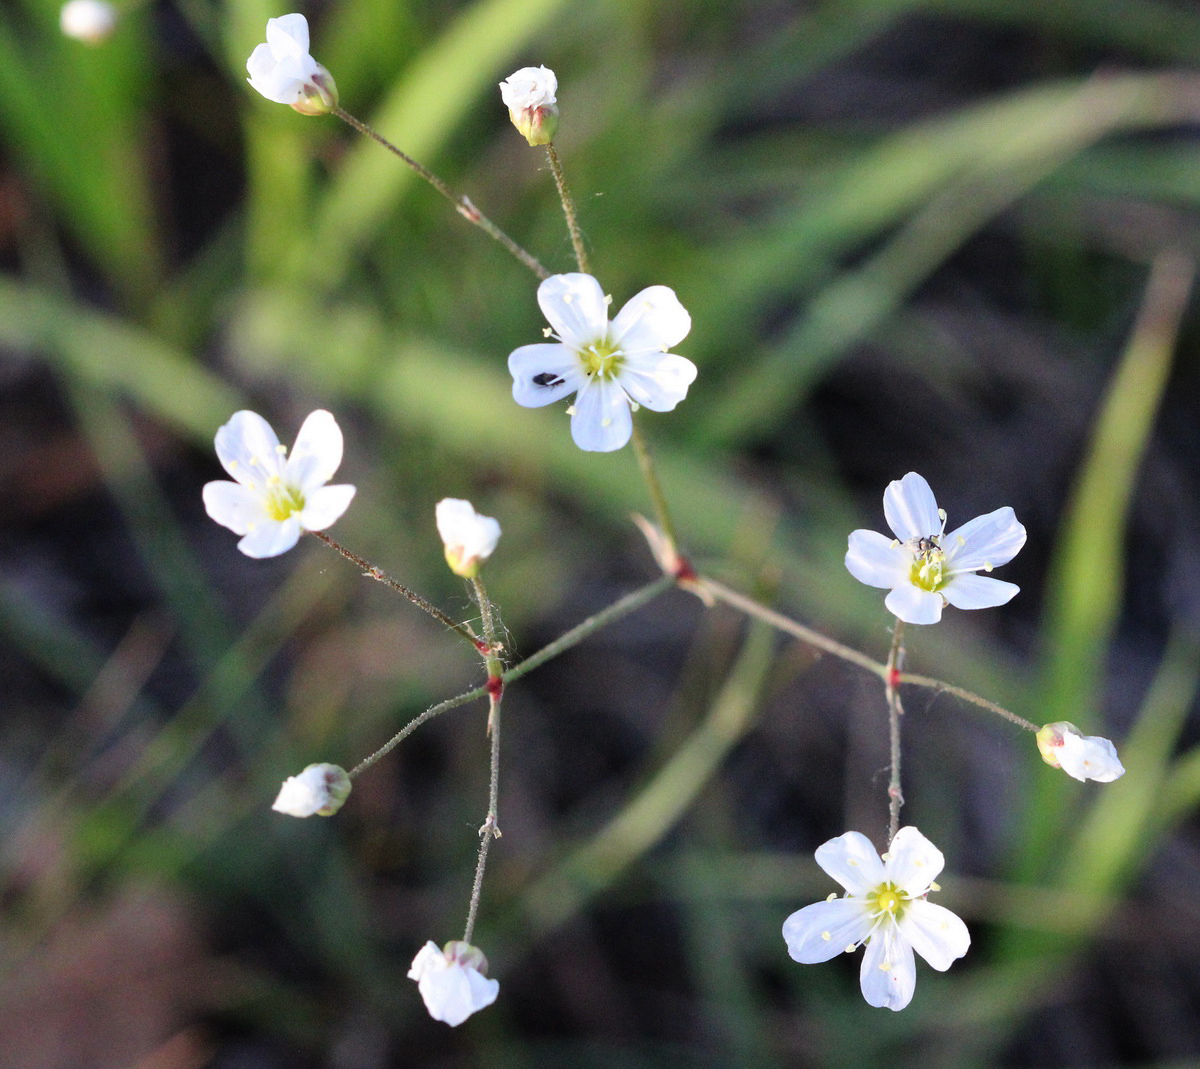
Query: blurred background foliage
point(954, 236)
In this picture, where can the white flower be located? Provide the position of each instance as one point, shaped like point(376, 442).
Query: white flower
point(90, 21)
point(452, 981)
point(283, 71)
point(529, 96)
point(924, 567)
point(319, 790)
point(469, 538)
point(1063, 745)
point(275, 499)
point(610, 366)
point(885, 909)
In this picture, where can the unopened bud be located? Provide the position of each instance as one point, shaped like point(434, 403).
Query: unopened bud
point(529, 96)
point(319, 791)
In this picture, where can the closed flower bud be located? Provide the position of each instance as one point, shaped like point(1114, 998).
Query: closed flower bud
point(1063, 745)
point(319, 791)
point(453, 981)
point(283, 71)
point(529, 96)
point(468, 537)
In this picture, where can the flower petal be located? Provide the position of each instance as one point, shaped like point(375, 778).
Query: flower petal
point(658, 381)
point(544, 373)
point(287, 35)
point(993, 539)
point(234, 506)
point(910, 508)
point(1089, 757)
point(914, 605)
point(324, 506)
point(248, 449)
point(824, 930)
point(651, 321)
point(575, 307)
point(852, 861)
point(877, 560)
point(888, 975)
point(316, 454)
point(938, 935)
point(913, 862)
point(971, 591)
point(602, 421)
point(271, 538)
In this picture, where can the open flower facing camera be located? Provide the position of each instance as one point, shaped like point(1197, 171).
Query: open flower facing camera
point(926, 569)
point(884, 910)
point(610, 367)
point(276, 496)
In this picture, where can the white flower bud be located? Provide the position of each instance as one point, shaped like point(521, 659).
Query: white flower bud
point(453, 981)
point(90, 21)
point(468, 537)
point(529, 96)
point(1083, 757)
point(319, 791)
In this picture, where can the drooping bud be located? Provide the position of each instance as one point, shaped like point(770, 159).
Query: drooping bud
point(320, 790)
point(529, 96)
point(468, 537)
point(1083, 757)
point(453, 981)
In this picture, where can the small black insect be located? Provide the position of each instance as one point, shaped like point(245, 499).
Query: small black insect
point(927, 545)
point(547, 378)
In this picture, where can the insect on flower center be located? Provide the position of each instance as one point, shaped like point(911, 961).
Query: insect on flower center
point(928, 559)
point(601, 359)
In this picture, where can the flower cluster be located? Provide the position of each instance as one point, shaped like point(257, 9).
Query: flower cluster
point(884, 910)
point(926, 569)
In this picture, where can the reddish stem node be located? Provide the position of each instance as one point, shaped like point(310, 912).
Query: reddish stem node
point(495, 687)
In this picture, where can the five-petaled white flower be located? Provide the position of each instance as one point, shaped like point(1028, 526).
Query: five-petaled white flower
point(529, 97)
point(885, 909)
point(925, 568)
point(468, 536)
point(319, 791)
point(283, 71)
point(1063, 745)
point(609, 366)
point(274, 498)
point(453, 981)
point(90, 21)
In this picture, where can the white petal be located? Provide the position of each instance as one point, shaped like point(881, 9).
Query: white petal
point(530, 87)
point(1089, 757)
point(938, 935)
point(889, 974)
point(453, 993)
point(877, 560)
point(248, 449)
point(824, 930)
point(472, 535)
point(971, 591)
point(602, 421)
point(426, 959)
point(652, 320)
point(234, 506)
point(913, 861)
point(288, 35)
point(910, 508)
point(324, 506)
point(659, 382)
point(316, 454)
point(914, 605)
point(992, 539)
point(271, 538)
point(574, 306)
point(555, 365)
point(852, 861)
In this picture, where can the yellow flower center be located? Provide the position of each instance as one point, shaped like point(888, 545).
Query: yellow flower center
point(602, 359)
point(928, 558)
point(887, 899)
point(282, 500)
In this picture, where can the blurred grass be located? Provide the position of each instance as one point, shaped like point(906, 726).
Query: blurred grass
point(715, 148)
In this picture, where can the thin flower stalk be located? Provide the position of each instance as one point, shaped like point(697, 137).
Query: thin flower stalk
point(650, 475)
point(568, 207)
point(462, 204)
point(895, 711)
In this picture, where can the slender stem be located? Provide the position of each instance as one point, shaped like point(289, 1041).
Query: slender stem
point(791, 627)
point(967, 696)
point(495, 688)
point(462, 204)
point(371, 572)
point(568, 206)
point(895, 662)
point(413, 724)
point(650, 475)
